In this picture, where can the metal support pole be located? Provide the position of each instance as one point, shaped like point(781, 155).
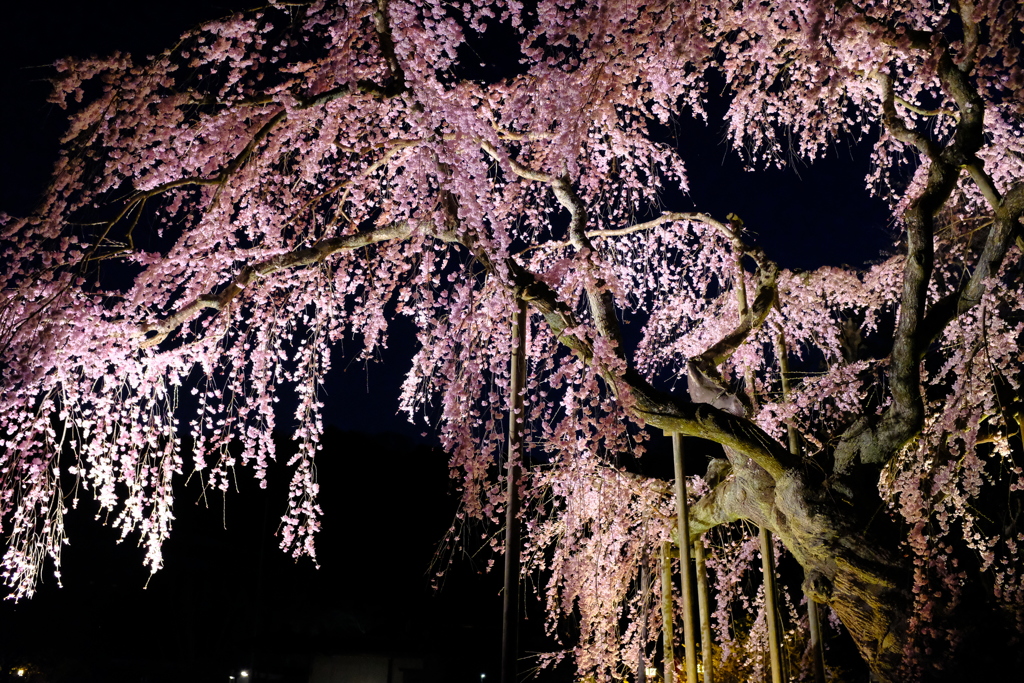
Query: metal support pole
point(707, 652)
point(768, 565)
point(683, 522)
point(645, 589)
point(814, 626)
point(669, 664)
point(510, 612)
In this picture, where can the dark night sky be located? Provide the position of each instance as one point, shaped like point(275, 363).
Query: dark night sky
point(230, 598)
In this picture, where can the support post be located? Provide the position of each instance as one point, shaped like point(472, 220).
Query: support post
point(813, 622)
point(814, 626)
point(683, 522)
point(510, 612)
point(645, 589)
point(703, 605)
point(666, 611)
point(768, 566)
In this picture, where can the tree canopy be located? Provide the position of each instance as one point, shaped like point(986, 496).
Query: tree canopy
point(278, 182)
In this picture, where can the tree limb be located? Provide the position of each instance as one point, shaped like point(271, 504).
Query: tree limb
point(921, 111)
point(602, 303)
point(895, 125)
point(904, 418)
point(292, 259)
point(396, 80)
point(517, 168)
point(750, 320)
point(717, 507)
point(656, 408)
point(1005, 227)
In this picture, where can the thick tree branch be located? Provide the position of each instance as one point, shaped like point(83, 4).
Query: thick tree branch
point(703, 420)
point(921, 111)
point(294, 259)
point(517, 168)
point(750, 320)
point(972, 35)
point(666, 412)
point(396, 80)
point(559, 316)
point(602, 303)
point(720, 506)
point(1005, 227)
point(895, 125)
point(985, 184)
point(657, 408)
point(905, 416)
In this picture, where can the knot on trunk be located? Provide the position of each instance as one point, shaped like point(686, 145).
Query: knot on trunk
point(817, 586)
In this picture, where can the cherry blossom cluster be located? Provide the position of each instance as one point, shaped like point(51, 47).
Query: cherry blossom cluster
point(291, 179)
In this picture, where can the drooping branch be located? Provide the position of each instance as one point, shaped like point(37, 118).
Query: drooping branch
point(233, 165)
point(1004, 229)
point(394, 87)
point(657, 408)
point(138, 201)
point(158, 331)
point(303, 102)
point(296, 258)
point(750, 320)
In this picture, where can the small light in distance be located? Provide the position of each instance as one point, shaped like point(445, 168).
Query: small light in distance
point(243, 673)
point(20, 672)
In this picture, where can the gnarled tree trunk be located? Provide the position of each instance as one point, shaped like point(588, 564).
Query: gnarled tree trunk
point(846, 569)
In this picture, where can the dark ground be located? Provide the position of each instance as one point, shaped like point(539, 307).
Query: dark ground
point(230, 599)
